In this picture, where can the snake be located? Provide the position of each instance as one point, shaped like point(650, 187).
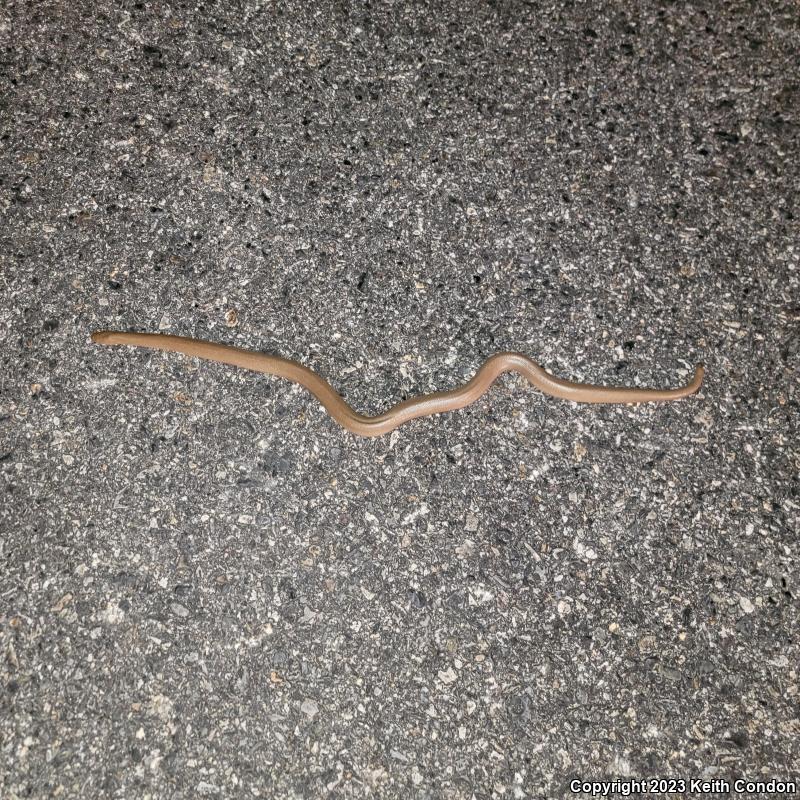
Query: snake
point(419, 406)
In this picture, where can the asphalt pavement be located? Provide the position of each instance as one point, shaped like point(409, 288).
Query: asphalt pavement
point(207, 587)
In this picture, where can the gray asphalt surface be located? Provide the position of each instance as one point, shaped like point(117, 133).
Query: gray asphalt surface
point(207, 588)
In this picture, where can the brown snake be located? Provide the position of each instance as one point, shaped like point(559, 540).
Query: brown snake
point(422, 406)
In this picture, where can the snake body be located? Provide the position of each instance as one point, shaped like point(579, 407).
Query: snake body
point(421, 406)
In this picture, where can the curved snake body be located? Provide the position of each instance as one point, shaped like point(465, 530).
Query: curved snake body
point(421, 406)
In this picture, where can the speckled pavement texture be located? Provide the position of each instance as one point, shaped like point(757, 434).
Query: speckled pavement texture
point(207, 588)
